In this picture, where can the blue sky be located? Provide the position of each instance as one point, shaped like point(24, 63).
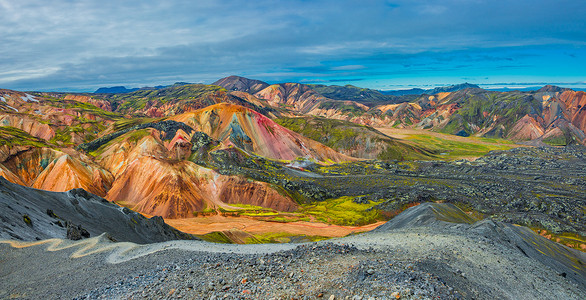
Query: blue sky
point(66, 45)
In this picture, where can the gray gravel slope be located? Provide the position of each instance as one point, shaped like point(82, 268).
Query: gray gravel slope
point(429, 260)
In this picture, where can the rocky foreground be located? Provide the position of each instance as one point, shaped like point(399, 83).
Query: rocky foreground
point(29, 214)
point(431, 251)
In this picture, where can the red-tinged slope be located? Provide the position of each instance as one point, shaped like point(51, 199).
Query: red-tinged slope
point(528, 128)
point(575, 103)
point(234, 190)
point(29, 125)
point(254, 132)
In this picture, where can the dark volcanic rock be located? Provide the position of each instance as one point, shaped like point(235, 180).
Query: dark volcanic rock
point(428, 214)
point(83, 213)
point(76, 232)
point(169, 127)
point(536, 187)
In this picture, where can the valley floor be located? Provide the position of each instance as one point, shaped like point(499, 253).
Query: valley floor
point(203, 225)
point(454, 147)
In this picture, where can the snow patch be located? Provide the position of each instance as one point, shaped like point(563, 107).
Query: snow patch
point(2, 99)
point(30, 98)
point(12, 108)
point(301, 162)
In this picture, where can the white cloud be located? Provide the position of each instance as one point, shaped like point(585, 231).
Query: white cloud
point(86, 43)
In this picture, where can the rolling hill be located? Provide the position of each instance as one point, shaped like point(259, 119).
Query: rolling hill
point(353, 139)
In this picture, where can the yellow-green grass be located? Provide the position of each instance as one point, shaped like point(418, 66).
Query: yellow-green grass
point(12, 136)
point(264, 238)
point(281, 237)
point(568, 239)
point(239, 209)
point(216, 237)
point(343, 211)
point(250, 210)
point(289, 218)
point(448, 149)
point(260, 214)
point(339, 211)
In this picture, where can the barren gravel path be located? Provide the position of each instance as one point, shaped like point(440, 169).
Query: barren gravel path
point(415, 263)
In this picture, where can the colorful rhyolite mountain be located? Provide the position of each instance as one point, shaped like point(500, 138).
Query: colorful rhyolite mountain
point(550, 115)
point(143, 170)
point(151, 168)
point(253, 132)
point(147, 169)
point(153, 177)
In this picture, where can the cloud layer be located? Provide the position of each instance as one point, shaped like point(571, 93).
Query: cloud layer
point(82, 45)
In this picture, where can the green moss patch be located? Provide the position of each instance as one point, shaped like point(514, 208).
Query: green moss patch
point(216, 237)
point(343, 211)
point(280, 237)
point(12, 136)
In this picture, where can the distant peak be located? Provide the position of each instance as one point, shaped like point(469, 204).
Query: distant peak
point(453, 88)
point(181, 83)
point(437, 90)
point(238, 83)
point(235, 77)
point(114, 90)
point(551, 89)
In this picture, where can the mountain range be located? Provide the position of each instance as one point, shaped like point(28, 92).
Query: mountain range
point(437, 90)
point(243, 147)
point(550, 115)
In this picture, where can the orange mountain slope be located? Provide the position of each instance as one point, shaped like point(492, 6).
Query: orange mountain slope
point(177, 189)
point(54, 170)
point(66, 173)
